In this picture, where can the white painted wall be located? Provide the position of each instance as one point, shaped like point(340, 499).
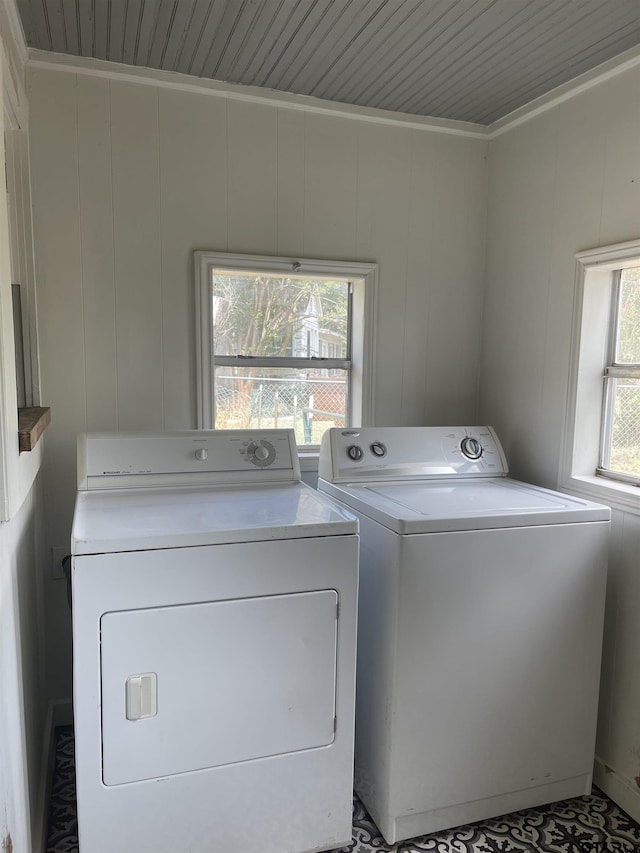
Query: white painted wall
point(129, 179)
point(22, 701)
point(565, 181)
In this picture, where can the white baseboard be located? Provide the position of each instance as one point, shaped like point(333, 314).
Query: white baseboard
point(623, 792)
point(59, 713)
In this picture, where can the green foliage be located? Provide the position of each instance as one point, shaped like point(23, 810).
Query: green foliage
point(258, 315)
point(628, 351)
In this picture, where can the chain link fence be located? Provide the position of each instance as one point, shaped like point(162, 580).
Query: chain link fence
point(625, 444)
point(308, 406)
point(626, 430)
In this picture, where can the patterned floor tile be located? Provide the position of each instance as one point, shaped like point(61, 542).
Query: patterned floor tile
point(584, 825)
point(62, 836)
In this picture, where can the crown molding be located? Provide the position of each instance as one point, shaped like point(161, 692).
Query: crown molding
point(600, 74)
point(40, 59)
point(46, 60)
point(11, 28)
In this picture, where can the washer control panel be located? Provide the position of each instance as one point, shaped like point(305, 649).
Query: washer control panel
point(198, 457)
point(410, 453)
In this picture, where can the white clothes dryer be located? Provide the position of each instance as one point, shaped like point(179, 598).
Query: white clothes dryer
point(214, 624)
point(480, 627)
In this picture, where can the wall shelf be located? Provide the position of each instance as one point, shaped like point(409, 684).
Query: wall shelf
point(32, 422)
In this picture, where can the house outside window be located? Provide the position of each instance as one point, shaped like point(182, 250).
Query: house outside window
point(284, 343)
point(602, 448)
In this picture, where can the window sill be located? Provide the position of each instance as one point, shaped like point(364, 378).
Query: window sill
point(620, 496)
point(32, 422)
point(308, 460)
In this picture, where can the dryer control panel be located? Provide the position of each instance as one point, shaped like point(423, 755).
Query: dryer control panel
point(399, 453)
point(191, 457)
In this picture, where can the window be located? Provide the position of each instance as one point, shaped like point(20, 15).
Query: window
point(620, 441)
point(603, 426)
point(284, 343)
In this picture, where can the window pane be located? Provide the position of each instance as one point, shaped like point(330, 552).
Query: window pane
point(625, 441)
point(628, 343)
point(279, 316)
point(308, 401)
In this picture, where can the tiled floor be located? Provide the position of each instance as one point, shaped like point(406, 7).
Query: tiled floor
point(584, 825)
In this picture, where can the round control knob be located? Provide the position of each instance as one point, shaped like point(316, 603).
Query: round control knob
point(261, 453)
point(354, 452)
point(201, 454)
point(471, 448)
point(378, 448)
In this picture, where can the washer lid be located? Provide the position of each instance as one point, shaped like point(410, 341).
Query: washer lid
point(148, 519)
point(432, 506)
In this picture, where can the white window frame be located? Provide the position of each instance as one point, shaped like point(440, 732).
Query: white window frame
point(590, 355)
point(364, 278)
point(613, 371)
point(17, 470)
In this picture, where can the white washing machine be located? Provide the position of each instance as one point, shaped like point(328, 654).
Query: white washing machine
point(480, 628)
point(214, 625)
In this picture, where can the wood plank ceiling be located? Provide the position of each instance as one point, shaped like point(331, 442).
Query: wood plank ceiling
point(473, 60)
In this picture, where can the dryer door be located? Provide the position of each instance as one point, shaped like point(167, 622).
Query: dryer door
point(200, 685)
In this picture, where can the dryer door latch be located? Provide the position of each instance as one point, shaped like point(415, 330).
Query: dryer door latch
point(141, 696)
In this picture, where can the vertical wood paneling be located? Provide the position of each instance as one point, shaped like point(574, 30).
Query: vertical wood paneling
point(456, 269)
point(386, 172)
point(291, 169)
point(607, 675)
point(531, 253)
point(583, 189)
point(126, 189)
point(330, 187)
point(623, 744)
point(500, 326)
point(193, 216)
point(136, 213)
point(422, 214)
point(579, 175)
point(96, 233)
point(252, 134)
point(56, 209)
point(621, 196)
point(516, 304)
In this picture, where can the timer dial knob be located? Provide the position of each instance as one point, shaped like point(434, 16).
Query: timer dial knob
point(354, 452)
point(471, 448)
point(378, 448)
point(261, 453)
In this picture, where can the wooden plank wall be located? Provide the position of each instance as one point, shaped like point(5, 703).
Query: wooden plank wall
point(129, 179)
point(566, 181)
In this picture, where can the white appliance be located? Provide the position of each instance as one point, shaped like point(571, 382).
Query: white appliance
point(480, 627)
point(214, 623)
